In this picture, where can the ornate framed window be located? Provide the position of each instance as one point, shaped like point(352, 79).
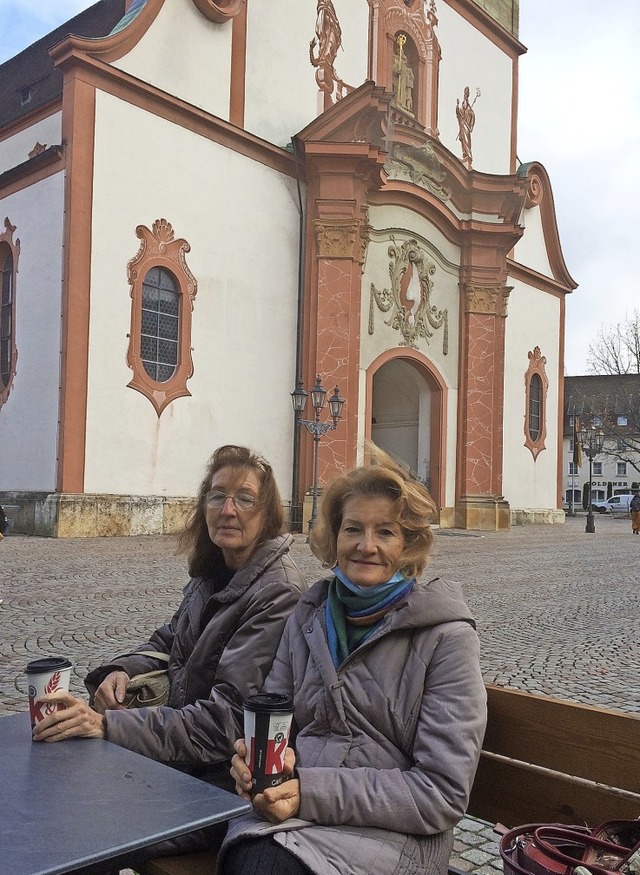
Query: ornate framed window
point(535, 416)
point(9, 254)
point(163, 291)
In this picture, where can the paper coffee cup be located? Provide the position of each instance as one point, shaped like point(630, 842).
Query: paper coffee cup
point(267, 721)
point(46, 675)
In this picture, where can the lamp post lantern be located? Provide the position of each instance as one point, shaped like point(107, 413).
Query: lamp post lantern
point(592, 441)
point(315, 427)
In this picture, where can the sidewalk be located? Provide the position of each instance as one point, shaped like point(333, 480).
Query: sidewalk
point(558, 613)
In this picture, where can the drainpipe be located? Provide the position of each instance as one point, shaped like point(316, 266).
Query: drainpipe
point(295, 481)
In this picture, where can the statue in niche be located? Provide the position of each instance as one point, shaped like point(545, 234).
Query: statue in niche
point(323, 49)
point(403, 78)
point(466, 122)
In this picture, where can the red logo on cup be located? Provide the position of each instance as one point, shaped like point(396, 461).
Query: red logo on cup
point(53, 683)
point(276, 748)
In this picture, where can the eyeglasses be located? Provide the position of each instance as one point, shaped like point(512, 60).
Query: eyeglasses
point(218, 499)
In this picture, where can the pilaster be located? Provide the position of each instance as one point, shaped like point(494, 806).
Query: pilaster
point(480, 504)
point(336, 243)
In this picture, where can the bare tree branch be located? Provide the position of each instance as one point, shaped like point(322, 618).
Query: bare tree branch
point(616, 349)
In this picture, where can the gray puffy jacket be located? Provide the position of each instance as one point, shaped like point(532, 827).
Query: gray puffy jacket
point(387, 744)
point(221, 645)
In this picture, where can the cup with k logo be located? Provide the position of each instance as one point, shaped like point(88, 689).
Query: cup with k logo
point(46, 675)
point(267, 722)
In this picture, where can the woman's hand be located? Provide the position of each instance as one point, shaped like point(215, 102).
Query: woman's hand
point(240, 770)
point(110, 693)
point(276, 804)
point(279, 803)
point(76, 719)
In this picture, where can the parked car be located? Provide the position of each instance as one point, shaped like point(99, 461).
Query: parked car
point(617, 503)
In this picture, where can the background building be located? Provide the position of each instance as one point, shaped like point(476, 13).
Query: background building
point(610, 402)
point(208, 201)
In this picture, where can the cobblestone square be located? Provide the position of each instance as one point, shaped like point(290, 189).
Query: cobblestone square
point(558, 613)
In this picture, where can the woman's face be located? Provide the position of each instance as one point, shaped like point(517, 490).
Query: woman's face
point(237, 532)
point(370, 540)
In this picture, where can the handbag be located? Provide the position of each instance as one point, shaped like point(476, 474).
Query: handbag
point(557, 849)
point(150, 688)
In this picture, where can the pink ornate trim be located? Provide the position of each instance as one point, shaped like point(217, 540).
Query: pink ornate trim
point(38, 149)
point(9, 249)
point(159, 249)
point(219, 11)
point(535, 192)
point(534, 437)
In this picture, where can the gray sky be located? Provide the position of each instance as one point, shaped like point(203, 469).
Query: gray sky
point(579, 115)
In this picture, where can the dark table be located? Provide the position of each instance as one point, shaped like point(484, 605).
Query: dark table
point(77, 802)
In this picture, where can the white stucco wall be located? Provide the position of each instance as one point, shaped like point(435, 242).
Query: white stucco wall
point(533, 320)
point(470, 59)
point(281, 94)
point(15, 149)
point(241, 221)
point(530, 250)
point(29, 418)
point(185, 55)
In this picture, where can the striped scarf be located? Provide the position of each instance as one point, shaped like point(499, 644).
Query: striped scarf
point(353, 612)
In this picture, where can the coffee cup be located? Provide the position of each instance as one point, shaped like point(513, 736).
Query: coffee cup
point(47, 675)
point(267, 722)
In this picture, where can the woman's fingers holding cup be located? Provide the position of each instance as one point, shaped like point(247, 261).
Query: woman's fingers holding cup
point(289, 766)
point(279, 803)
point(240, 747)
point(75, 718)
point(240, 773)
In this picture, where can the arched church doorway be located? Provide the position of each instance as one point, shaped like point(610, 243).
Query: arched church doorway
point(401, 416)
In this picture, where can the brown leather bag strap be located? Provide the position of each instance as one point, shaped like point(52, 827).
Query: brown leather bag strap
point(156, 654)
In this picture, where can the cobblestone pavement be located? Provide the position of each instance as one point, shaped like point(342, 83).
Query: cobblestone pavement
point(558, 613)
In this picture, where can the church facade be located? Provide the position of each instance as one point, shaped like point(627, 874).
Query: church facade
point(207, 203)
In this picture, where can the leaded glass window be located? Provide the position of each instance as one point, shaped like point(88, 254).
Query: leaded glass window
point(6, 315)
point(535, 406)
point(160, 325)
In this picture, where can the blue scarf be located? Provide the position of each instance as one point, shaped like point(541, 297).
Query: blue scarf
point(353, 612)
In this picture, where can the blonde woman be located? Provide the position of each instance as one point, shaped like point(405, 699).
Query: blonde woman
point(389, 702)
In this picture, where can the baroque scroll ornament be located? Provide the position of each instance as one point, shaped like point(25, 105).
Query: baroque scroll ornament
point(409, 298)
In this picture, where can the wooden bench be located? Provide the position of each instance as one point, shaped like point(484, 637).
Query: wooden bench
point(543, 760)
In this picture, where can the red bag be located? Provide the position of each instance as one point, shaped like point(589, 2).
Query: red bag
point(613, 848)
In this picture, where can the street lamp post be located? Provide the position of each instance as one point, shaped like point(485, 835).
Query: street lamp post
point(592, 441)
point(315, 427)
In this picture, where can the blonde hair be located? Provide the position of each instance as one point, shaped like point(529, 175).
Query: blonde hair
point(380, 477)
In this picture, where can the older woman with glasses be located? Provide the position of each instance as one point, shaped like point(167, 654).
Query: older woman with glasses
point(389, 702)
point(221, 641)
